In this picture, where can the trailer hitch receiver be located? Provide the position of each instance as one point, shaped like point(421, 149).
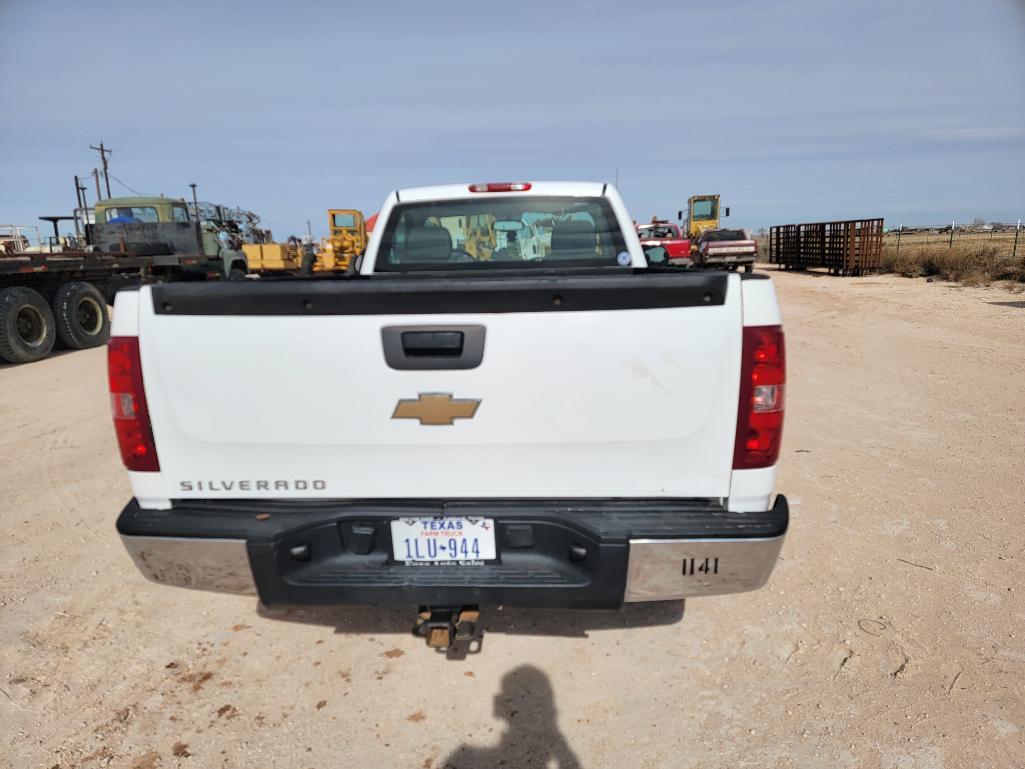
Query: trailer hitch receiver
point(441, 626)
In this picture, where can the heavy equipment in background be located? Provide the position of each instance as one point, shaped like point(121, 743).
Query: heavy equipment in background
point(163, 228)
point(57, 289)
point(13, 239)
point(242, 230)
point(702, 214)
point(481, 237)
point(273, 257)
point(240, 225)
point(346, 241)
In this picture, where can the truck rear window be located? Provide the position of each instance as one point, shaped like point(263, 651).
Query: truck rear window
point(715, 235)
point(658, 231)
point(496, 232)
point(131, 214)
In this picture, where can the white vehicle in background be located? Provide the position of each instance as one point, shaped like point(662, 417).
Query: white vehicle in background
point(519, 240)
point(581, 430)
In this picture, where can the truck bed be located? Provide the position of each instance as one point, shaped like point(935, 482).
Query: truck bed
point(71, 264)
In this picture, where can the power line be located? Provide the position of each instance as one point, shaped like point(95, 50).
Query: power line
point(124, 185)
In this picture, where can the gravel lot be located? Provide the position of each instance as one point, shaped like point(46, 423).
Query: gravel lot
point(890, 635)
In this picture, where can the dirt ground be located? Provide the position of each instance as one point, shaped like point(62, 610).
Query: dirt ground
point(890, 635)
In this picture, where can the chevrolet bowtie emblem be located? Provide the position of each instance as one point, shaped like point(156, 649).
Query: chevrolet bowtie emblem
point(436, 408)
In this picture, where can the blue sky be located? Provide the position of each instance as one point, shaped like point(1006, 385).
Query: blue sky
point(796, 110)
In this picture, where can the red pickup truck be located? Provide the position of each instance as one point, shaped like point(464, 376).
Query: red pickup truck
point(667, 235)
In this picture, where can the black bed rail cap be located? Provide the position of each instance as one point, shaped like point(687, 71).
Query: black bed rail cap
point(443, 295)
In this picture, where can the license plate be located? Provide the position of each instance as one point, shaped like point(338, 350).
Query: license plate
point(456, 541)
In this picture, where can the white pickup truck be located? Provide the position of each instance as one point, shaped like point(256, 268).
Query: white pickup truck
point(509, 404)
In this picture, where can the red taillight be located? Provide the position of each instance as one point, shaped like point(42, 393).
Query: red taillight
point(760, 412)
point(128, 405)
point(500, 187)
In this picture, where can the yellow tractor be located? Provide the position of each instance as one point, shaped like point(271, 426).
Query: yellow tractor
point(272, 257)
point(474, 234)
point(702, 214)
point(348, 239)
point(480, 237)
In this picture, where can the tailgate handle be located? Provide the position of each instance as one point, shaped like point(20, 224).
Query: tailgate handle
point(427, 348)
point(433, 343)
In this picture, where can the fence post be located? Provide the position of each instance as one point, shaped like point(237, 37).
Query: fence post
point(1017, 229)
point(899, 231)
point(951, 244)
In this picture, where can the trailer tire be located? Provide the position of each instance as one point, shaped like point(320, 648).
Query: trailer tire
point(749, 268)
point(26, 325)
point(81, 316)
point(236, 272)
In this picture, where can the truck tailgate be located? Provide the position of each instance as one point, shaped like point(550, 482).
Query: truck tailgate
point(593, 386)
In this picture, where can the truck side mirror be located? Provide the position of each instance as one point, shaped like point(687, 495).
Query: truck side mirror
point(679, 215)
point(727, 211)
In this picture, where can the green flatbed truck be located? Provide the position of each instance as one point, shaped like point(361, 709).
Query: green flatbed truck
point(59, 293)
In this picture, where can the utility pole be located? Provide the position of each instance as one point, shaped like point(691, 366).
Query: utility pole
point(951, 244)
point(899, 231)
point(106, 168)
point(195, 200)
point(80, 205)
point(96, 178)
point(199, 221)
point(78, 193)
point(1017, 229)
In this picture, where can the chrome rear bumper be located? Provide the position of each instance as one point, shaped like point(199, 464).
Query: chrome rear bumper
point(658, 569)
point(665, 569)
point(221, 565)
point(592, 554)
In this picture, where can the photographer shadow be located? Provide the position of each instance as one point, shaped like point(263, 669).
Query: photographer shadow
point(526, 703)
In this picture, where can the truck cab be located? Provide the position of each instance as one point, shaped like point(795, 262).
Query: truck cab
point(668, 236)
point(164, 229)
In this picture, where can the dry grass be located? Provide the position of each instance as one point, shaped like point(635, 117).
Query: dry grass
point(972, 262)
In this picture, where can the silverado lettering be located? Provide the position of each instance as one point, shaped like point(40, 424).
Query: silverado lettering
point(300, 485)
